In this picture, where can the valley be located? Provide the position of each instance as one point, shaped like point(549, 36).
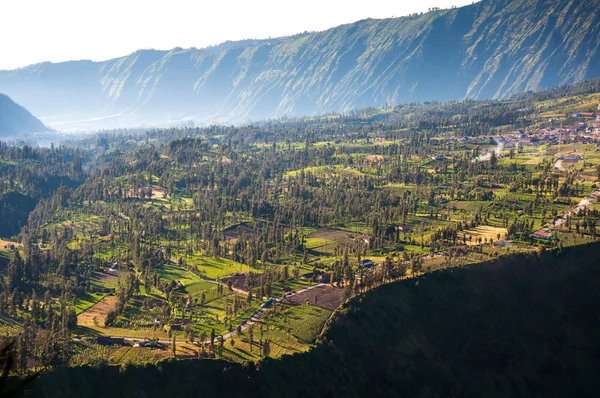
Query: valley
point(240, 243)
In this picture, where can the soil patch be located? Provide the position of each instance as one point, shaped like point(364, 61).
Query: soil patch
point(327, 297)
point(98, 311)
point(483, 232)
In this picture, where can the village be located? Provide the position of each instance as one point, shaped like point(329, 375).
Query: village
point(578, 127)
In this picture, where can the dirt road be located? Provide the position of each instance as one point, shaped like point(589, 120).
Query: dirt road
point(580, 206)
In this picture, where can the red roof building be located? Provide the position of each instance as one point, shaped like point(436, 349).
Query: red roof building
point(542, 235)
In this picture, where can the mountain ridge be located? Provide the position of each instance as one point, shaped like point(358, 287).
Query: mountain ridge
point(491, 49)
point(15, 119)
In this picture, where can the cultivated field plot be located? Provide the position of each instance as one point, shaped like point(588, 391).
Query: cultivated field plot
point(286, 347)
point(236, 232)
point(466, 205)
point(327, 171)
point(281, 343)
point(8, 326)
point(140, 355)
point(324, 296)
point(246, 230)
point(238, 281)
point(278, 288)
point(98, 311)
point(4, 244)
point(103, 282)
point(484, 232)
point(109, 279)
point(305, 321)
point(157, 193)
point(197, 288)
point(5, 257)
point(214, 268)
point(374, 158)
point(172, 272)
point(534, 161)
point(326, 240)
point(568, 164)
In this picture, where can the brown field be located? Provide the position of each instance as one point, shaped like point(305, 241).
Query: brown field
point(249, 229)
point(235, 232)
point(328, 297)
point(534, 161)
point(483, 231)
point(237, 281)
point(334, 235)
point(109, 279)
point(374, 158)
point(459, 204)
point(157, 193)
point(98, 311)
point(589, 176)
point(4, 243)
point(324, 241)
point(569, 163)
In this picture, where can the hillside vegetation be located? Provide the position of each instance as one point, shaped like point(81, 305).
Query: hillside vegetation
point(136, 247)
point(521, 326)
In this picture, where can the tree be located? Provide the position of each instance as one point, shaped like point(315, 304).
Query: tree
point(266, 348)
point(493, 160)
point(251, 337)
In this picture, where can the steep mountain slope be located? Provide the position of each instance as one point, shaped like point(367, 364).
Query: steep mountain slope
point(491, 49)
point(16, 119)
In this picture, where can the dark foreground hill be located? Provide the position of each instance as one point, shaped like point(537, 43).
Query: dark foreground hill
point(491, 49)
point(520, 326)
point(15, 119)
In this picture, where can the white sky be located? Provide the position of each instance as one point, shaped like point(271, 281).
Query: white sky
point(33, 31)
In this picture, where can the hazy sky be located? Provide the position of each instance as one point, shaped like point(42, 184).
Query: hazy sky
point(34, 31)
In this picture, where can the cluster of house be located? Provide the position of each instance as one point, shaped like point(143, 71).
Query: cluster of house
point(580, 132)
point(584, 115)
point(573, 157)
point(589, 115)
point(552, 136)
point(318, 276)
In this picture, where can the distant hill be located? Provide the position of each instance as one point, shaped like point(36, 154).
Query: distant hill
point(491, 49)
point(15, 119)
